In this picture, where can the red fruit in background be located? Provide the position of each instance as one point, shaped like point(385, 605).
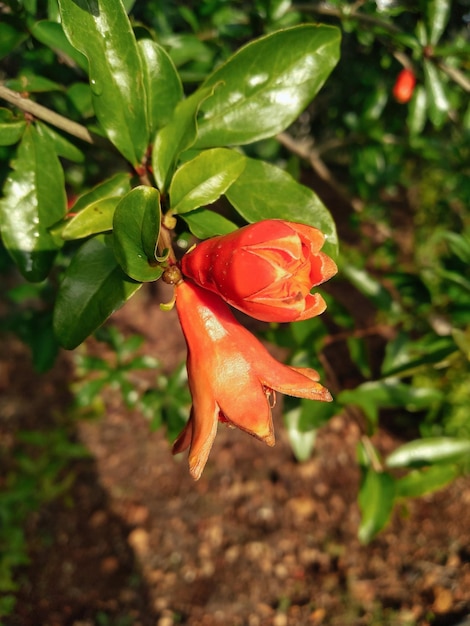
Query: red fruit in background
point(404, 86)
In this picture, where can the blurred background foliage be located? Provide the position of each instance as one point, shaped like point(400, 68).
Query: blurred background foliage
point(396, 177)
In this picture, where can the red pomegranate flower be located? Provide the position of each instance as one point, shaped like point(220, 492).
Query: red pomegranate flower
point(232, 377)
point(266, 269)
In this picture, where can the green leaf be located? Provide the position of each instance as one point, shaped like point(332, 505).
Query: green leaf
point(376, 500)
point(10, 37)
point(264, 191)
point(438, 103)
point(437, 17)
point(417, 111)
point(63, 147)
point(118, 185)
point(34, 199)
point(95, 218)
point(302, 441)
point(205, 178)
point(427, 480)
point(185, 47)
point(162, 84)
point(370, 287)
point(80, 96)
point(94, 286)
point(204, 223)
point(430, 451)
point(459, 244)
point(388, 393)
point(178, 135)
point(100, 29)
point(267, 84)
point(11, 128)
point(32, 83)
point(52, 34)
point(136, 227)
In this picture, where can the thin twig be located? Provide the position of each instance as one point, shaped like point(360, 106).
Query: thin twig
point(51, 117)
point(322, 9)
point(456, 75)
point(303, 150)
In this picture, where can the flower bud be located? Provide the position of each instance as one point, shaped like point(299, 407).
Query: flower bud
point(265, 270)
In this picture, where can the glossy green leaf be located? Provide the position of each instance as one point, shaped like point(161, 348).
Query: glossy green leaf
point(438, 103)
point(178, 135)
point(204, 223)
point(117, 185)
point(11, 128)
point(430, 451)
point(205, 178)
point(162, 84)
point(101, 30)
point(388, 393)
point(94, 286)
point(420, 482)
point(95, 218)
point(136, 227)
point(376, 500)
point(437, 17)
point(266, 85)
point(264, 191)
point(34, 199)
point(52, 34)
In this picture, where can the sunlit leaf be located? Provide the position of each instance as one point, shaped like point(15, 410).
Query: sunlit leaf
point(34, 199)
point(101, 30)
point(205, 178)
point(438, 103)
point(95, 218)
point(162, 84)
point(265, 191)
point(429, 451)
point(264, 86)
point(437, 17)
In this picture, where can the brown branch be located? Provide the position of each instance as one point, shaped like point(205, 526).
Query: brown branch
point(304, 150)
point(349, 14)
point(51, 117)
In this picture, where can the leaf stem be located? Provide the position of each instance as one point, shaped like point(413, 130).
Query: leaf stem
point(51, 117)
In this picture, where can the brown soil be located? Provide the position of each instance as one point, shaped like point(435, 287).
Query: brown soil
point(260, 540)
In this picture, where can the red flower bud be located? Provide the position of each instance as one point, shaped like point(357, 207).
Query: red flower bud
point(265, 269)
point(404, 86)
point(232, 377)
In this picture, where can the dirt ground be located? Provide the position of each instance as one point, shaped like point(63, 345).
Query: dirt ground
point(260, 540)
